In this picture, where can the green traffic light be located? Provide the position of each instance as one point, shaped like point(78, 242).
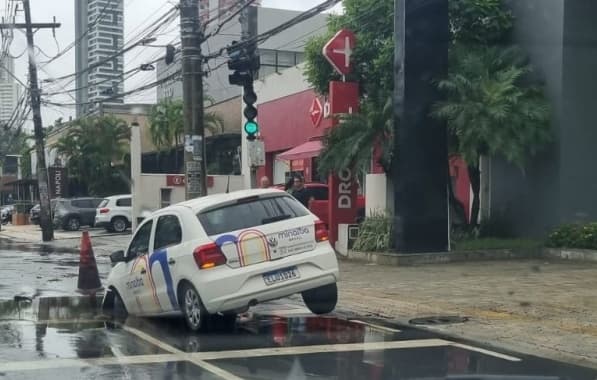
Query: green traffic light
point(251, 127)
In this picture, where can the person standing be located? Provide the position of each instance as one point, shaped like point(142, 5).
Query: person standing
point(300, 192)
point(265, 182)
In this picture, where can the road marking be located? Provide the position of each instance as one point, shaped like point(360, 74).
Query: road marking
point(181, 355)
point(374, 326)
point(487, 352)
point(200, 358)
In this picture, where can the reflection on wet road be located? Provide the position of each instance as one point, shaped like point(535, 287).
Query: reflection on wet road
point(65, 338)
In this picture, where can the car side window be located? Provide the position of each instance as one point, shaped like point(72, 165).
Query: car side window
point(96, 202)
point(79, 203)
point(168, 232)
point(140, 243)
point(123, 202)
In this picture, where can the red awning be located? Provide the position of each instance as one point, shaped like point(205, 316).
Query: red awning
point(307, 150)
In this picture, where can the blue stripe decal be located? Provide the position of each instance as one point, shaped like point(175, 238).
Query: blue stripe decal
point(162, 258)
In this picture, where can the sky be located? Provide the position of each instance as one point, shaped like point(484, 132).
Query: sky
point(138, 14)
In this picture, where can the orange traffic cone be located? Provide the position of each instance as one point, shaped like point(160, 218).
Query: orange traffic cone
point(89, 281)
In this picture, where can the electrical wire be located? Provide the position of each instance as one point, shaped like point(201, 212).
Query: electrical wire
point(99, 18)
point(167, 18)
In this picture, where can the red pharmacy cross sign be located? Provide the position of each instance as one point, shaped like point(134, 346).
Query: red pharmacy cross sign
point(339, 50)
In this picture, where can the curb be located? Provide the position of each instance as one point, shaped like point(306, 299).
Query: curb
point(413, 259)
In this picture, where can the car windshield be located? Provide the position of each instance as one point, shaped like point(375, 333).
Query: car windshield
point(249, 213)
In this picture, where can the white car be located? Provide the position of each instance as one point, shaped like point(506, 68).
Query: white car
point(221, 254)
point(114, 213)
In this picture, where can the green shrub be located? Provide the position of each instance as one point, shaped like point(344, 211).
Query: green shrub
point(574, 236)
point(374, 233)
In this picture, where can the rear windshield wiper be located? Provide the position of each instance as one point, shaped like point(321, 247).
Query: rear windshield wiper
point(275, 218)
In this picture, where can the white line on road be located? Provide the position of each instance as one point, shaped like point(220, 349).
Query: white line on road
point(200, 357)
point(487, 352)
point(375, 327)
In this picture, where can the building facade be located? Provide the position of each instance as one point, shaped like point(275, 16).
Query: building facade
point(99, 32)
point(9, 90)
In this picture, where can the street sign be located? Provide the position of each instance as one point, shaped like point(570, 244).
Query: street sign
point(339, 50)
point(256, 150)
point(316, 112)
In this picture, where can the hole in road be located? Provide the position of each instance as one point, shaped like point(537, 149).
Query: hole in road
point(438, 320)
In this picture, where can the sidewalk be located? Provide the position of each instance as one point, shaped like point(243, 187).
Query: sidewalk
point(534, 307)
point(103, 243)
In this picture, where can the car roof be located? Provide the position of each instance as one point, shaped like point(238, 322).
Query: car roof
point(202, 203)
point(118, 196)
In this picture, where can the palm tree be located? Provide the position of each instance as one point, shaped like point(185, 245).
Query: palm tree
point(167, 124)
point(350, 143)
point(94, 148)
point(492, 109)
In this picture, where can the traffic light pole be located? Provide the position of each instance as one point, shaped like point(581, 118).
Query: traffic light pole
point(248, 21)
point(192, 86)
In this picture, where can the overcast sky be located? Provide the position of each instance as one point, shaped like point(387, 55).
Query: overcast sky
point(138, 14)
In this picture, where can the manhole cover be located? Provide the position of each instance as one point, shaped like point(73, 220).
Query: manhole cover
point(438, 320)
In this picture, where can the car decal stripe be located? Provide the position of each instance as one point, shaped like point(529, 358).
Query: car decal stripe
point(161, 257)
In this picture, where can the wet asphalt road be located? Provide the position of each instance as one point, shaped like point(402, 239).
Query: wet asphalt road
point(58, 336)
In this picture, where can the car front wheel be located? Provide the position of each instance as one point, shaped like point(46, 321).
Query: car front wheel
point(321, 300)
point(195, 314)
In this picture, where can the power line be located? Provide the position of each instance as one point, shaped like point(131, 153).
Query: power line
point(99, 18)
point(280, 28)
point(166, 18)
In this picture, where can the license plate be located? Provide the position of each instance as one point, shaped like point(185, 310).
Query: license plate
point(281, 275)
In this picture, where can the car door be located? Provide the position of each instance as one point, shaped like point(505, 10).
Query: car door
point(91, 209)
point(124, 206)
point(136, 284)
point(167, 240)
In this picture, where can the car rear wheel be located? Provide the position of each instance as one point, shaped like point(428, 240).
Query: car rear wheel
point(321, 300)
point(195, 314)
point(73, 224)
point(119, 224)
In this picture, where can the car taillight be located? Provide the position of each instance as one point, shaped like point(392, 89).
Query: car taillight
point(104, 210)
point(209, 256)
point(321, 231)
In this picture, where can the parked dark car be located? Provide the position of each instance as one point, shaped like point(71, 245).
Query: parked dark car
point(71, 214)
point(34, 212)
point(6, 214)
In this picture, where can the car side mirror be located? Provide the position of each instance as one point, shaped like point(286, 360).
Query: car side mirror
point(117, 257)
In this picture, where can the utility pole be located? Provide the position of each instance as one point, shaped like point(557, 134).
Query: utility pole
point(192, 91)
point(42, 171)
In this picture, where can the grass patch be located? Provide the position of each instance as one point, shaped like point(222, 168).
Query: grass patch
point(495, 243)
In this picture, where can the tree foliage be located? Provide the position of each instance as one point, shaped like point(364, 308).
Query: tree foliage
point(95, 150)
point(351, 142)
point(482, 22)
point(490, 109)
point(166, 124)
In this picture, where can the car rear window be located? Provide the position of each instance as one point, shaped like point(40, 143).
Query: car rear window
point(250, 213)
point(103, 203)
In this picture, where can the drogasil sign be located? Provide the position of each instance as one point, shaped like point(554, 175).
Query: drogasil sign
point(344, 189)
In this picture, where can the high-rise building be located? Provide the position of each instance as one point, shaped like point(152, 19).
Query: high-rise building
point(9, 90)
point(99, 32)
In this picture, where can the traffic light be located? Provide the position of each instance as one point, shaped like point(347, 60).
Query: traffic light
point(170, 54)
point(243, 62)
point(250, 112)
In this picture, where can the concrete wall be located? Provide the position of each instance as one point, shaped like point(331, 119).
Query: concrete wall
point(559, 185)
